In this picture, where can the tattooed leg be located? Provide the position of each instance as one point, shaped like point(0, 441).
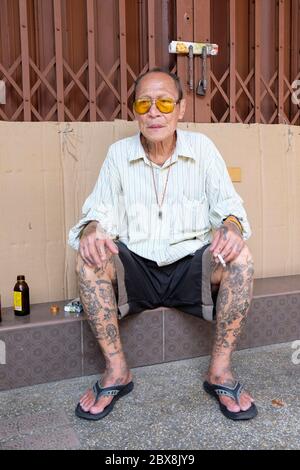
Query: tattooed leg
point(235, 293)
point(97, 287)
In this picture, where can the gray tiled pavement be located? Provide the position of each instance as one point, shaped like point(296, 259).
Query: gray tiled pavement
point(167, 409)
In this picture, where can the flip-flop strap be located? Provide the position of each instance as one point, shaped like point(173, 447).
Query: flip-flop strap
point(232, 392)
point(96, 390)
point(113, 392)
point(108, 391)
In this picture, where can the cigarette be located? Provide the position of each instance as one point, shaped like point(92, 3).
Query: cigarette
point(222, 260)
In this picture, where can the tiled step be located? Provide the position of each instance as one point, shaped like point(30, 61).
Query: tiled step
point(43, 348)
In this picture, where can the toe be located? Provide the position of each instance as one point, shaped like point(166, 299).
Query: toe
point(94, 410)
point(87, 400)
point(100, 405)
point(84, 407)
point(86, 396)
point(86, 404)
point(84, 400)
point(246, 394)
point(245, 402)
point(230, 404)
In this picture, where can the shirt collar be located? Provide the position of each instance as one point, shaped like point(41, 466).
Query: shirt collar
point(182, 150)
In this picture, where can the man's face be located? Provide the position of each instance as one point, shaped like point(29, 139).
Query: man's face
point(155, 125)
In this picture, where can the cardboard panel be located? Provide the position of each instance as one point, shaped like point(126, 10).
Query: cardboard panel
point(32, 211)
point(83, 148)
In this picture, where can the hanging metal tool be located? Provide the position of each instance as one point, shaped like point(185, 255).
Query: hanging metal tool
point(2, 92)
point(192, 49)
point(202, 86)
point(191, 68)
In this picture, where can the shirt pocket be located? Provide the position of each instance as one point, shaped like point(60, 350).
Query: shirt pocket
point(191, 220)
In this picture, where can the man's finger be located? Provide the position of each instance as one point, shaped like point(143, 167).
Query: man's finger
point(84, 253)
point(228, 247)
point(94, 254)
point(221, 240)
point(215, 240)
point(235, 251)
point(101, 249)
point(222, 244)
point(112, 247)
point(228, 255)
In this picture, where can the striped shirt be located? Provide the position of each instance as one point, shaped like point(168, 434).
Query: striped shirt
point(199, 196)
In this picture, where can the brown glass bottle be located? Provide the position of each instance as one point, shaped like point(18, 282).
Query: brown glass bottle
point(21, 297)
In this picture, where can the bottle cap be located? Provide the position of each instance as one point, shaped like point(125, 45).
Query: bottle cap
point(21, 278)
point(54, 309)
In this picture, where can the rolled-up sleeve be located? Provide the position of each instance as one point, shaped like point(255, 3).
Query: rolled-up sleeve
point(102, 204)
point(222, 196)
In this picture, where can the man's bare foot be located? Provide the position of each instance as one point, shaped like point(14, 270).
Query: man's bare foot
point(87, 401)
point(227, 380)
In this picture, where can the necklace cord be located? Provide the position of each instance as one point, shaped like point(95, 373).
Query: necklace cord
point(153, 177)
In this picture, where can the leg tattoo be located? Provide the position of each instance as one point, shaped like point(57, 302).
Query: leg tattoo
point(98, 298)
point(233, 304)
point(97, 288)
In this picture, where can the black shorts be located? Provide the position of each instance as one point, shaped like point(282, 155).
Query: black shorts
point(184, 285)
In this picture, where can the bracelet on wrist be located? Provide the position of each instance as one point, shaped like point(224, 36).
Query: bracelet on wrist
point(234, 220)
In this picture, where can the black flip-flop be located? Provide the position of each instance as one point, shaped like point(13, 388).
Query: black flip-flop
point(117, 391)
point(216, 390)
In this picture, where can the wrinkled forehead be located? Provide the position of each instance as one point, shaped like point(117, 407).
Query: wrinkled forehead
point(157, 84)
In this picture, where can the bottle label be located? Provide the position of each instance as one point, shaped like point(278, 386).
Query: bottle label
point(18, 301)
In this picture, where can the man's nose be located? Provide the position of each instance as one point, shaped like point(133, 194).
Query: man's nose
point(153, 111)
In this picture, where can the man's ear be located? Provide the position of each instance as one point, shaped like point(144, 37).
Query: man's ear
point(182, 107)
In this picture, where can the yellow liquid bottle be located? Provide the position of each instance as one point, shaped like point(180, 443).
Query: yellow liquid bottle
point(21, 297)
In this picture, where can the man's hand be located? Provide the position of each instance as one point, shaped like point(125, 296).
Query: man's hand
point(228, 242)
point(93, 244)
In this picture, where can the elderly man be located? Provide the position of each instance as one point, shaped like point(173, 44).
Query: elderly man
point(164, 226)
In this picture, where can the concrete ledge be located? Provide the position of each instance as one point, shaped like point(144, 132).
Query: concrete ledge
point(43, 348)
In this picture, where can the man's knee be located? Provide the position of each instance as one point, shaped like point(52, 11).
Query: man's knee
point(79, 264)
point(107, 269)
point(245, 258)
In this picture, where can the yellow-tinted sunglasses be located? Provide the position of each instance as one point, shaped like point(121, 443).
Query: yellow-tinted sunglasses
point(164, 105)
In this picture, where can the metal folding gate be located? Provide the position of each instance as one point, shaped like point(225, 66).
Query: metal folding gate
point(76, 60)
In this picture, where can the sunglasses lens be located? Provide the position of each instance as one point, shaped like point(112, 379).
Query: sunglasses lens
point(165, 105)
point(142, 106)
